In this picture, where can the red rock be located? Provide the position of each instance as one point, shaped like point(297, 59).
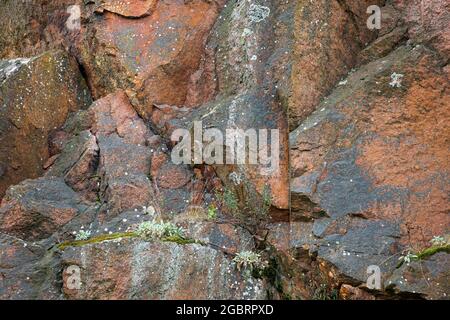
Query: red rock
point(115, 114)
point(189, 272)
point(78, 163)
point(57, 141)
point(153, 57)
point(23, 274)
point(328, 37)
point(366, 152)
point(130, 8)
point(348, 292)
point(35, 209)
point(427, 22)
point(171, 176)
point(31, 111)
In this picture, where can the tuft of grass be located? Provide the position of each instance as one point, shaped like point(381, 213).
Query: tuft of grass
point(433, 250)
point(148, 231)
point(212, 212)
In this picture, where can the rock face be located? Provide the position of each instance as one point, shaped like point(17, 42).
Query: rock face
point(157, 271)
point(153, 55)
point(32, 27)
point(370, 169)
point(31, 111)
point(354, 204)
point(36, 209)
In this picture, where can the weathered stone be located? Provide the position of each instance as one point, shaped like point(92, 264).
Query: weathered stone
point(31, 110)
point(152, 56)
point(154, 270)
point(247, 94)
point(30, 28)
point(364, 158)
point(348, 292)
point(328, 36)
point(171, 176)
point(35, 209)
point(427, 23)
point(78, 164)
point(115, 114)
point(27, 271)
point(426, 278)
point(130, 9)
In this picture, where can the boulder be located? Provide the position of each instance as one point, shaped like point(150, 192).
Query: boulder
point(28, 271)
point(36, 209)
point(152, 55)
point(156, 270)
point(372, 159)
point(30, 110)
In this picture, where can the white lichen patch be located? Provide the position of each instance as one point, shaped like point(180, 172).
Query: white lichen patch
point(258, 13)
point(83, 235)
point(158, 230)
point(396, 80)
point(10, 67)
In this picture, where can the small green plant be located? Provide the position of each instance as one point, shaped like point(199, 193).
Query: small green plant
point(212, 212)
point(324, 292)
point(267, 199)
point(438, 241)
point(230, 200)
point(249, 261)
point(408, 258)
point(83, 235)
point(158, 230)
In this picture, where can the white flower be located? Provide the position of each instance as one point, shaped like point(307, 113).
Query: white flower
point(249, 260)
point(158, 230)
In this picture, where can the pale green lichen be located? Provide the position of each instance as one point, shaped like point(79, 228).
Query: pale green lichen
point(438, 241)
point(250, 261)
point(158, 230)
point(83, 235)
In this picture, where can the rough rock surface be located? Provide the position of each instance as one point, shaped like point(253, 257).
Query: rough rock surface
point(152, 56)
point(370, 166)
point(363, 125)
point(169, 271)
point(35, 209)
point(30, 110)
point(99, 183)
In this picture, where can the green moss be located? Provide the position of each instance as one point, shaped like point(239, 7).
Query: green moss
point(108, 237)
point(181, 240)
point(428, 252)
point(97, 239)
